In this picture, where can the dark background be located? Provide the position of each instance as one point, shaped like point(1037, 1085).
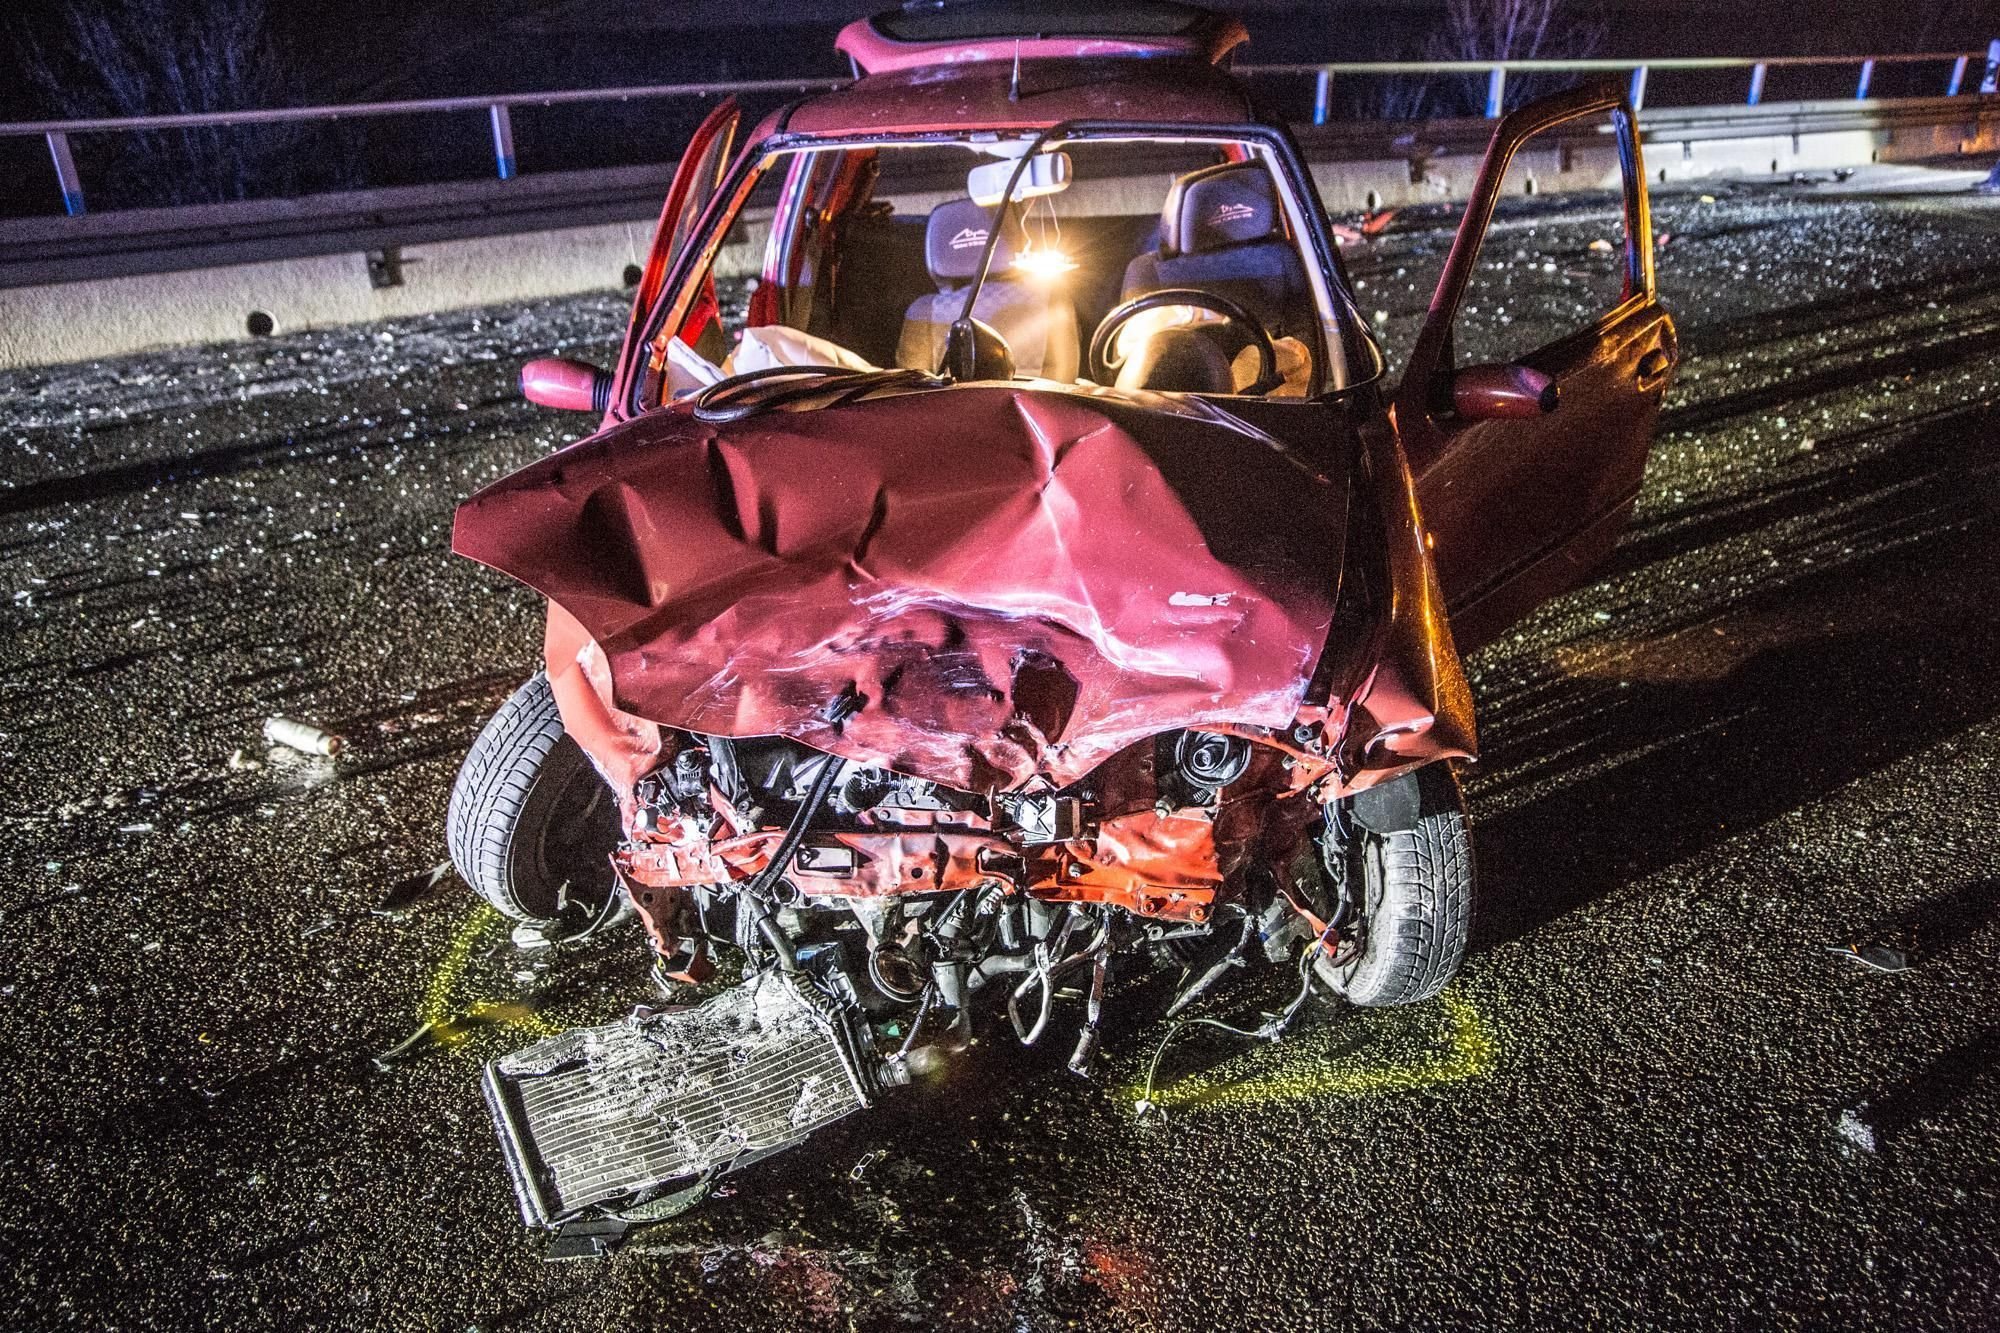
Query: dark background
point(90, 58)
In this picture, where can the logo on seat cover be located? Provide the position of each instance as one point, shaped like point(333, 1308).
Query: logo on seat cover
point(968, 237)
point(1232, 213)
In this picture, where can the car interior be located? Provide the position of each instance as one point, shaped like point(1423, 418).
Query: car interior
point(884, 242)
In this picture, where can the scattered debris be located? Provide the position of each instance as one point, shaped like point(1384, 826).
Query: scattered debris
point(1600, 246)
point(528, 936)
point(1881, 957)
point(301, 736)
point(408, 1046)
point(407, 892)
point(1853, 1127)
point(240, 762)
point(868, 1159)
point(586, 1238)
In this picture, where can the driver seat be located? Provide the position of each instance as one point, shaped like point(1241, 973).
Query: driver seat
point(1037, 320)
point(1221, 231)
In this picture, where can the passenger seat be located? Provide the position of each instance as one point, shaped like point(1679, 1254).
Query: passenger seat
point(1036, 319)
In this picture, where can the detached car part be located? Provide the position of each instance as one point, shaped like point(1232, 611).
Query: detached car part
point(632, 1120)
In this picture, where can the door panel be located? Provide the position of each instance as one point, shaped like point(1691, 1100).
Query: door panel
point(700, 171)
point(1520, 509)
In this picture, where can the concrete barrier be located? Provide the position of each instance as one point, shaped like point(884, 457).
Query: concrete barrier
point(104, 284)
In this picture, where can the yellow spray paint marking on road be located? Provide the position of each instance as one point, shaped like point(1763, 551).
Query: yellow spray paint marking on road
point(449, 1028)
point(1470, 1051)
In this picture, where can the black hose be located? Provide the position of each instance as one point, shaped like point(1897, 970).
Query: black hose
point(759, 886)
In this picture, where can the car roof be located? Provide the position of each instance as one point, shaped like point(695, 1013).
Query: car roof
point(984, 95)
point(955, 32)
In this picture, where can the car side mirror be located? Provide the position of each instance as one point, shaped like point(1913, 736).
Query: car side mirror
point(1502, 393)
point(570, 386)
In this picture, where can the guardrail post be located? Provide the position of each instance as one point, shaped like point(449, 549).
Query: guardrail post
point(1637, 94)
point(503, 140)
point(1496, 91)
point(1756, 84)
point(1867, 76)
point(1957, 77)
point(72, 188)
point(1991, 83)
point(1322, 96)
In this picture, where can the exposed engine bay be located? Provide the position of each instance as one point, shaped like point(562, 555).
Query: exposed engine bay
point(879, 918)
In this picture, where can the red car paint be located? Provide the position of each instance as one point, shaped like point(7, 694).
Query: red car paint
point(874, 50)
point(1002, 587)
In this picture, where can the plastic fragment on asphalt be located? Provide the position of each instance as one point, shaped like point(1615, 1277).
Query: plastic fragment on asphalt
point(407, 1047)
point(1600, 246)
point(529, 936)
point(301, 736)
point(1880, 957)
point(593, 1238)
point(407, 892)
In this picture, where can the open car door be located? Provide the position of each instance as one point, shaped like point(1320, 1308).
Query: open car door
point(695, 180)
point(1526, 472)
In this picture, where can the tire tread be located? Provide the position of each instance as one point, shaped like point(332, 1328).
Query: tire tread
point(492, 789)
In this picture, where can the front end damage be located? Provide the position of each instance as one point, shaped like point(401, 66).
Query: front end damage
point(928, 695)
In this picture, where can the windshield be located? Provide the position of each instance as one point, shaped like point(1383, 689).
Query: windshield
point(862, 255)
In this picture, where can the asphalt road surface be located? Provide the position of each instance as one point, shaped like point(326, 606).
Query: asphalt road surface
point(1654, 1099)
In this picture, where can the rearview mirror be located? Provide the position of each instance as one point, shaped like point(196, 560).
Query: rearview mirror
point(571, 386)
point(1046, 173)
point(1498, 393)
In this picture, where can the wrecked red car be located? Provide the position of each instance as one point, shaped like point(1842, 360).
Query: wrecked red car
point(1000, 568)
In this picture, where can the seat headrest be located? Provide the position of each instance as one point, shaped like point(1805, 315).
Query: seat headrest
point(954, 239)
point(1217, 207)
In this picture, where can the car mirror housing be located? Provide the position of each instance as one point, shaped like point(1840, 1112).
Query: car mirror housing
point(570, 386)
point(1489, 393)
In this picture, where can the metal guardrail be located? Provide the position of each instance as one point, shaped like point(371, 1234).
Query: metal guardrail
point(499, 109)
point(1496, 72)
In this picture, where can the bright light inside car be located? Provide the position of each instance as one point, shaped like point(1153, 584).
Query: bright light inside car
point(1044, 265)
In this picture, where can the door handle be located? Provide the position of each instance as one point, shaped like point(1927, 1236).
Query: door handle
point(1653, 367)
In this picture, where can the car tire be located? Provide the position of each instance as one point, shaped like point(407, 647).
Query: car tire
point(1411, 880)
point(531, 825)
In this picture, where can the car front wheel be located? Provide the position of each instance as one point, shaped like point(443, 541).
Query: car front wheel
point(1406, 874)
point(531, 826)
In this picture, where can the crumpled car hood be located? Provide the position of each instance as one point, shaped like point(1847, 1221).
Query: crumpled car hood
point(978, 585)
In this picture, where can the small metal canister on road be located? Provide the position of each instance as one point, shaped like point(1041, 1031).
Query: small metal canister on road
point(301, 736)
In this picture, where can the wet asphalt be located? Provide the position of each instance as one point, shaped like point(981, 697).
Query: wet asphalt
point(1654, 1099)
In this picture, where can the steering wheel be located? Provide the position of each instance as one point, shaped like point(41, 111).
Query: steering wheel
point(1101, 369)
